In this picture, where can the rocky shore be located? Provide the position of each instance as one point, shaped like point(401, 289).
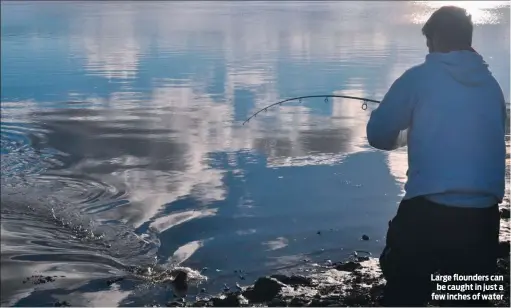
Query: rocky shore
point(355, 283)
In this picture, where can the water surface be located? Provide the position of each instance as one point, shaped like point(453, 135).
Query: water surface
point(126, 118)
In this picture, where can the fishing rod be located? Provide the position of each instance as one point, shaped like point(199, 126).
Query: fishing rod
point(299, 98)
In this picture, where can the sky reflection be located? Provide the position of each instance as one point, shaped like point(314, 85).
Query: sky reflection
point(157, 140)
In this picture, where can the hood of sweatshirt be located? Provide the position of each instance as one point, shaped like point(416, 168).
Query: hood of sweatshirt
point(466, 67)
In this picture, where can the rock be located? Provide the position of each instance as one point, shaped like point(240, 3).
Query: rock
point(318, 233)
point(277, 302)
point(175, 304)
point(231, 300)
point(503, 250)
point(349, 266)
point(110, 282)
point(62, 304)
point(504, 213)
point(295, 280)
point(265, 289)
point(316, 303)
point(298, 302)
point(365, 237)
point(226, 288)
point(356, 298)
point(180, 281)
point(201, 303)
point(238, 287)
point(362, 258)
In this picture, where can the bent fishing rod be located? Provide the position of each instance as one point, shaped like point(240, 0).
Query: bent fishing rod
point(299, 98)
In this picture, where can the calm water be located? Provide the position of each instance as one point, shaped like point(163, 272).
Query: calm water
point(125, 118)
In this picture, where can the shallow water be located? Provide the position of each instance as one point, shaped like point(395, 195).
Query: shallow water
point(126, 119)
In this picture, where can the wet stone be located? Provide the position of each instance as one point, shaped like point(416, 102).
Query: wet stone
point(62, 304)
point(349, 266)
point(365, 237)
point(110, 282)
point(357, 298)
point(298, 302)
point(238, 287)
point(181, 280)
point(231, 300)
point(323, 303)
point(362, 258)
point(265, 289)
point(277, 302)
point(295, 280)
point(504, 213)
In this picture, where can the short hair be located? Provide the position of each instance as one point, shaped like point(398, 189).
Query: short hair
point(450, 25)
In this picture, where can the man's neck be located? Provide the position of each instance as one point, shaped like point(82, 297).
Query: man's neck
point(447, 50)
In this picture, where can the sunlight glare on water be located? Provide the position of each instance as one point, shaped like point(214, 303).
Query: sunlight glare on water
point(482, 12)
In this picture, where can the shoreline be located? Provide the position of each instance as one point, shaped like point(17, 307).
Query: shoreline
point(356, 282)
point(346, 284)
point(353, 283)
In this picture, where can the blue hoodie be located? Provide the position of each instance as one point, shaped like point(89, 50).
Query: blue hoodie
point(454, 113)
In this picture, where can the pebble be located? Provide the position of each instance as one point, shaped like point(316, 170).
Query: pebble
point(226, 288)
point(265, 289)
point(504, 213)
point(62, 304)
point(294, 280)
point(365, 237)
point(349, 266)
point(114, 280)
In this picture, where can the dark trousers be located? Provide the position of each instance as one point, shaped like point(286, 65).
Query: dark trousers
point(427, 238)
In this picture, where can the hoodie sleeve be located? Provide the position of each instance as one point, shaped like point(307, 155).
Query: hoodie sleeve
point(393, 115)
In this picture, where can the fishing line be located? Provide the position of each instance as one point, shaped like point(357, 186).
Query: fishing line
point(299, 98)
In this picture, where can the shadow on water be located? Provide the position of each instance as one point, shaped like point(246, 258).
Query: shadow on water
point(125, 121)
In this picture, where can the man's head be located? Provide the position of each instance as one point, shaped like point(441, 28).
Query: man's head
point(449, 29)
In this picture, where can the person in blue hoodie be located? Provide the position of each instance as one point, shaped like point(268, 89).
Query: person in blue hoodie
point(452, 113)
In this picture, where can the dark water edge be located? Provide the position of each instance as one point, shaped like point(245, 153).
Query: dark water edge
point(353, 283)
point(356, 282)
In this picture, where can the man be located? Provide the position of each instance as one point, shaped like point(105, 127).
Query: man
point(453, 111)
